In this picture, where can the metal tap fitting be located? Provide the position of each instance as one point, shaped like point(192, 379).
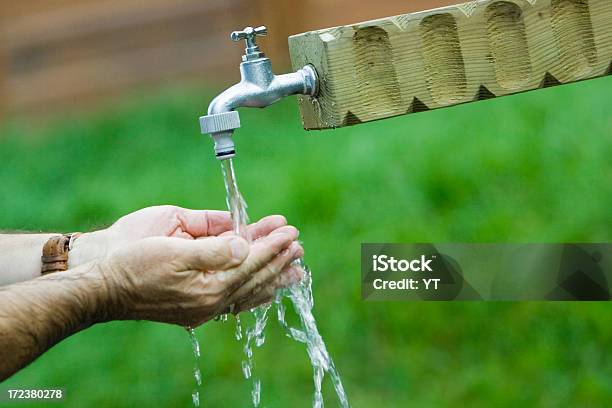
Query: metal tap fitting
point(250, 34)
point(258, 88)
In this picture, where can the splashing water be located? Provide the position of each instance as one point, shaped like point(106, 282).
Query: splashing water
point(301, 297)
point(197, 374)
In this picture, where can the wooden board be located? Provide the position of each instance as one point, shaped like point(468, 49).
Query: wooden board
point(443, 57)
point(58, 54)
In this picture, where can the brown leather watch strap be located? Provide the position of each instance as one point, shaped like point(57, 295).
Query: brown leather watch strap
point(55, 254)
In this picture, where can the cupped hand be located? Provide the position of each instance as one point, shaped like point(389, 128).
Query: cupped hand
point(188, 282)
point(161, 221)
point(277, 274)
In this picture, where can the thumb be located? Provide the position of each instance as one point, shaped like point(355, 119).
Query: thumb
point(214, 253)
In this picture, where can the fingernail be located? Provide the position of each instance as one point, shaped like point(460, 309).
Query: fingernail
point(280, 219)
point(239, 248)
point(296, 250)
point(299, 253)
point(288, 229)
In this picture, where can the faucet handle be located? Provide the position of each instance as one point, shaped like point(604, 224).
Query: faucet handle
point(250, 34)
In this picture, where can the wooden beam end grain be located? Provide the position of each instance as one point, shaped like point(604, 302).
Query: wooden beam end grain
point(470, 52)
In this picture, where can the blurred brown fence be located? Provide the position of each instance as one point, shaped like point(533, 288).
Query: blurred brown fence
point(61, 53)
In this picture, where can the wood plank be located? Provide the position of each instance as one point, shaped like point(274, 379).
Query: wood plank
point(88, 19)
point(22, 8)
point(452, 55)
point(344, 12)
point(79, 52)
point(90, 77)
point(89, 31)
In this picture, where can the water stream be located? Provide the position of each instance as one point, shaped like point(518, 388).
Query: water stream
point(197, 374)
point(300, 296)
point(255, 333)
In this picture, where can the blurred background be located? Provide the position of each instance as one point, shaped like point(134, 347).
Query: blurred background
point(100, 101)
point(62, 53)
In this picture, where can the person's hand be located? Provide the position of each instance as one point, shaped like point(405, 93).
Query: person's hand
point(189, 282)
point(160, 221)
point(259, 289)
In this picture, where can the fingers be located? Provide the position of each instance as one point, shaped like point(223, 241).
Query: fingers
point(269, 276)
point(202, 223)
point(264, 226)
point(181, 234)
point(261, 253)
point(267, 248)
point(211, 254)
point(289, 275)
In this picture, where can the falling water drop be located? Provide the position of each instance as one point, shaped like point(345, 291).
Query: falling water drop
point(197, 374)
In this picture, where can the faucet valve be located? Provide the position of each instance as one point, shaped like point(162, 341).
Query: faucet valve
point(221, 127)
point(250, 34)
point(258, 88)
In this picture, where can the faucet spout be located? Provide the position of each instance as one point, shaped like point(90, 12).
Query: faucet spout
point(260, 92)
point(258, 88)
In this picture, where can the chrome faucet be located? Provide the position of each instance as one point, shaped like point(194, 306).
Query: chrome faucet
point(258, 88)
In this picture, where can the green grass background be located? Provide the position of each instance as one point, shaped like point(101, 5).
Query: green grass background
point(530, 168)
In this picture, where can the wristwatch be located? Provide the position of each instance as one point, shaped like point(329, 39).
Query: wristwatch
point(55, 253)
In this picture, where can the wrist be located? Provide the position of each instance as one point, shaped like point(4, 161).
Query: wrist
point(88, 247)
point(80, 297)
point(104, 292)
